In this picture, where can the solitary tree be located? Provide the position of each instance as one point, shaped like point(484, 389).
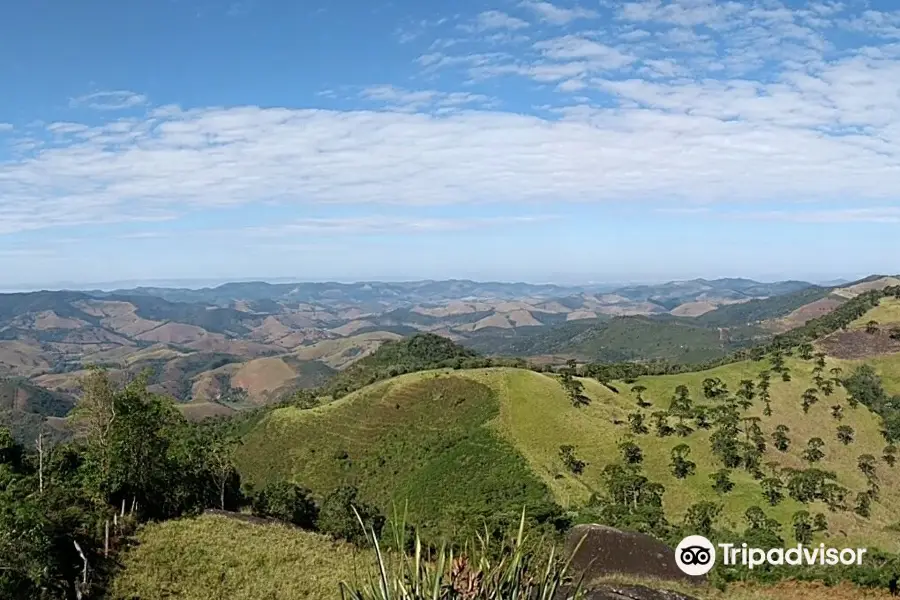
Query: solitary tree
point(722, 483)
point(638, 391)
point(809, 398)
point(837, 411)
point(813, 452)
point(631, 452)
point(866, 465)
point(872, 327)
point(567, 454)
point(845, 434)
point(681, 466)
point(780, 438)
point(889, 455)
point(803, 527)
point(771, 488)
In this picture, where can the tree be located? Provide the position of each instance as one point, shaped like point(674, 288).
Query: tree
point(866, 464)
point(631, 452)
point(889, 455)
point(286, 501)
point(872, 327)
point(809, 398)
point(837, 411)
point(681, 466)
point(771, 487)
point(636, 422)
point(714, 388)
point(338, 516)
point(761, 530)
point(863, 505)
point(780, 438)
point(845, 434)
point(746, 392)
point(803, 527)
point(895, 333)
point(820, 523)
point(638, 391)
point(813, 452)
point(701, 517)
point(661, 423)
point(785, 375)
point(805, 351)
point(722, 483)
point(567, 454)
point(220, 456)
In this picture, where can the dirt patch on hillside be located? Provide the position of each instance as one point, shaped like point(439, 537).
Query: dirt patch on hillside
point(262, 376)
point(175, 333)
point(20, 358)
point(50, 320)
point(860, 288)
point(578, 315)
point(805, 313)
point(693, 309)
point(858, 344)
point(351, 327)
point(523, 318)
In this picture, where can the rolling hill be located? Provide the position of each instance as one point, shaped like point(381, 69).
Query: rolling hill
point(472, 430)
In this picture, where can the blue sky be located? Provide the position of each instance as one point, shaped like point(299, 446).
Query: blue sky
point(511, 140)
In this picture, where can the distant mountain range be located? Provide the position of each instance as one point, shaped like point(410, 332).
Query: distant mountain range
point(223, 348)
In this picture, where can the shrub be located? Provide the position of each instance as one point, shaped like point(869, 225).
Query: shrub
point(341, 512)
point(476, 572)
point(287, 502)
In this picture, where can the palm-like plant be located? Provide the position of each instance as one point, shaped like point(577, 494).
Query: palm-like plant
point(476, 572)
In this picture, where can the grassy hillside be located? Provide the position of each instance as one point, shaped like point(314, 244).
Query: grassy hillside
point(395, 440)
point(755, 311)
point(459, 429)
point(214, 557)
point(677, 340)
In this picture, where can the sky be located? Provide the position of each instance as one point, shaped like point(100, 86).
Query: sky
point(505, 140)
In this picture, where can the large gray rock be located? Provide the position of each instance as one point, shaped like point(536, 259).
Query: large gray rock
point(608, 551)
point(633, 592)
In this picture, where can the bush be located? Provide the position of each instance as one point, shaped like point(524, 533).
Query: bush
point(338, 519)
point(287, 502)
point(520, 571)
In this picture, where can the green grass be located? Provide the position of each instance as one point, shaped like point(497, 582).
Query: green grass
point(886, 313)
point(428, 439)
point(786, 406)
point(217, 558)
point(395, 441)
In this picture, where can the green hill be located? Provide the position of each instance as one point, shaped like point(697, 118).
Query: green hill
point(423, 437)
point(491, 437)
point(635, 338)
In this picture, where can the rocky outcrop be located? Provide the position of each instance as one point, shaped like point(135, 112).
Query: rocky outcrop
point(606, 552)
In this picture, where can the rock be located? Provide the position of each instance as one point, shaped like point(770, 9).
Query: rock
point(632, 592)
point(608, 551)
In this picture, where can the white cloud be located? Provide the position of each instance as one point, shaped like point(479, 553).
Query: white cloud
point(574, 47)
point(671, 102)
point(848, 215)
point(111, 100)
point(382, 225)
point(407, 100)
point(557, 15)
point(494, 19)
point(5, 127)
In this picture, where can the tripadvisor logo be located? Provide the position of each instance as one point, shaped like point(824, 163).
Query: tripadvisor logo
point(695, 555)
